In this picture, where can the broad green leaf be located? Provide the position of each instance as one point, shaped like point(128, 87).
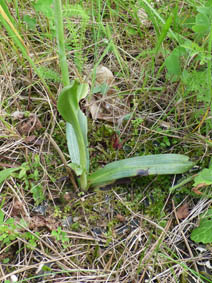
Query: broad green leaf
point(5, 173)
point(44, 6)
point(73, 148)
point(68, 106)
point(205, 176)
point(203, 20)
point(173, 63)
point(140, 166)
point(68, 101)
point(84, 127)
point(203, 233)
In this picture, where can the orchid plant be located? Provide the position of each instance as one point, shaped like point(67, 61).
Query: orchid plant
point(77, 129)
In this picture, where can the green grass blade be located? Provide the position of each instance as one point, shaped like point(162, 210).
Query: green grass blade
point(17, 39)
point(6, 10)
point(148, 7)
point(159, 164)
point(164, 32)
point(162, 36)
point(5, 173)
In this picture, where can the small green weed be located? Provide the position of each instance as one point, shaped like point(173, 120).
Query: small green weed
point(203, 233)
point(61, 236)
point(57, 212)
point(196, 80)
point(77, 23)
point(10, 231)
point(29, 174)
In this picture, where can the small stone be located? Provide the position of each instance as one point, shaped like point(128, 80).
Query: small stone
point(13, 278)
point(68, 221)
point(17, 115)
point(104, 75)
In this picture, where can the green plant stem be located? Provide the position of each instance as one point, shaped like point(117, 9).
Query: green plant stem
point(61, 42)
point(82, 151)
point(184, 182)
point(66, 82)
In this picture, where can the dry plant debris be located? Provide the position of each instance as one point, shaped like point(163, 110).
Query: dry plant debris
point(29, 125)
point(183, 211)
point(105, 104)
